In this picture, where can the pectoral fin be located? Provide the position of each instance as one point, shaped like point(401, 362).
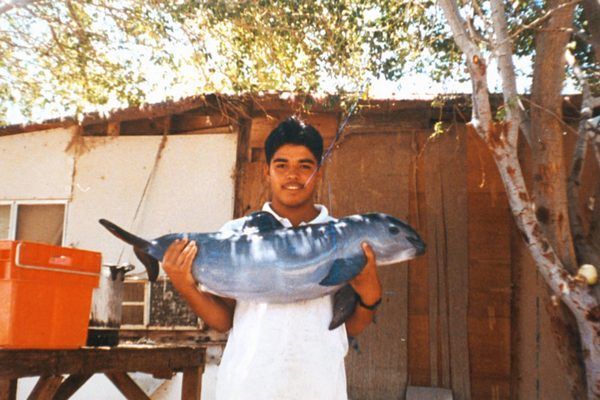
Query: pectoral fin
point(344, 269)
point(344, 304)
point(353, 343)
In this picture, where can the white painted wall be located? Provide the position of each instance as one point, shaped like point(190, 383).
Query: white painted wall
point(35, 165)
point(192, 190)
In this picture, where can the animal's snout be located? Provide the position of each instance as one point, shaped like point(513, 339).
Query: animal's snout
point(418, 243)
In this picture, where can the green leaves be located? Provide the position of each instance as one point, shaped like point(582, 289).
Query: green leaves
point(438, 130)
point(78, 54)
point(72, 55)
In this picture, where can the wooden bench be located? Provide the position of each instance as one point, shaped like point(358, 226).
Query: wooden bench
point(115, 362)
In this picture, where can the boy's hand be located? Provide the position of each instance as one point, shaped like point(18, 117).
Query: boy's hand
point(367, 283)
point(177, 263)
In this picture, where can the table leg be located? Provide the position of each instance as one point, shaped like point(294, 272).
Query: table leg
point(45, 387)
point(70, 386)
point(8, 389)
point(127, 386)
point(192, 383)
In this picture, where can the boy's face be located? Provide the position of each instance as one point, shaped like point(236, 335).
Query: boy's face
point(288, 175)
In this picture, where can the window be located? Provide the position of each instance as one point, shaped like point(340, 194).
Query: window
point(35, 221)
point(4, 221)
point(155, 304)
point(135, 300)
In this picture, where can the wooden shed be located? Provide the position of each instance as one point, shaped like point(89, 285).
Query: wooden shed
point(467, 316)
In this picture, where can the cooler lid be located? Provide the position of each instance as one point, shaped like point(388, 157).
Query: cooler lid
point(46, 257)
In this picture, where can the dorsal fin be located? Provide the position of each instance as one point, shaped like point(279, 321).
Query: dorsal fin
point(261, 221)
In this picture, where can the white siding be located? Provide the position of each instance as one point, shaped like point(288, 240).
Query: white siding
point(192, 189)
point(35, 165)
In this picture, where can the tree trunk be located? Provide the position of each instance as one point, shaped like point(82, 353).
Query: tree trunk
point(595, 224)
point(549, 166)
point(591, 9)
point(549, 175)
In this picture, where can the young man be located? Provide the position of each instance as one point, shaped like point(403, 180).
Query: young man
point(281, 351)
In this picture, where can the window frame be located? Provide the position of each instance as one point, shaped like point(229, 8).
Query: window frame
point(13, 215)
point(145, 303)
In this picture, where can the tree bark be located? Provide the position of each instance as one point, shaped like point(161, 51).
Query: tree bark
point(585, 250)
point(591, 9)
point(549, 172)
point(594, 234)
point(549, 166)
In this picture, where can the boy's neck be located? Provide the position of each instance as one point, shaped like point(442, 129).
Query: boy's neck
point(296, 215)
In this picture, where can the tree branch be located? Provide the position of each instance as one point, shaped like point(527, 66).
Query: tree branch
point(593, 129)
point(481, 119)
point(542, 18)
point(552, 114)
point(503, 49)
point(585, 253)
point(591, 11)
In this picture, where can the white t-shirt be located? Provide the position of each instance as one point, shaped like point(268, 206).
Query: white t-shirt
point(283, 351)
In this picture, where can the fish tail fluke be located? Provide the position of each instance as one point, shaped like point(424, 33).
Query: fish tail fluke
point(125, 236)
point(140, 247)
point(353, 343)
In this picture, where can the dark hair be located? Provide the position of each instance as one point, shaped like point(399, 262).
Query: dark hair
point(294, 131)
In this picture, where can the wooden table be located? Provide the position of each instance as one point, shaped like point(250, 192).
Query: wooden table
point(115, 363)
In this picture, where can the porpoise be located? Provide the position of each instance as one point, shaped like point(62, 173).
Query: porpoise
point(268, 262)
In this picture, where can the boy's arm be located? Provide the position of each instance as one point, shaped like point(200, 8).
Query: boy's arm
point(215, 311)
point(368, 287)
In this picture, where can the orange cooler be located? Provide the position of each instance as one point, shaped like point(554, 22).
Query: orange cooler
point(45, 295)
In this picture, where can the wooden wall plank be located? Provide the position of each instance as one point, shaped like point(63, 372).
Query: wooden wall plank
point(428, 393)
point(142, 127)
point(262, 125)
point(419, 373)
point(436, 256)
point(490, 276)
point(454, 169)
point(113, 128)
point(190, 122)
point(446, 195)
point(403, 121)
point(371, 173)
point(252, 190)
